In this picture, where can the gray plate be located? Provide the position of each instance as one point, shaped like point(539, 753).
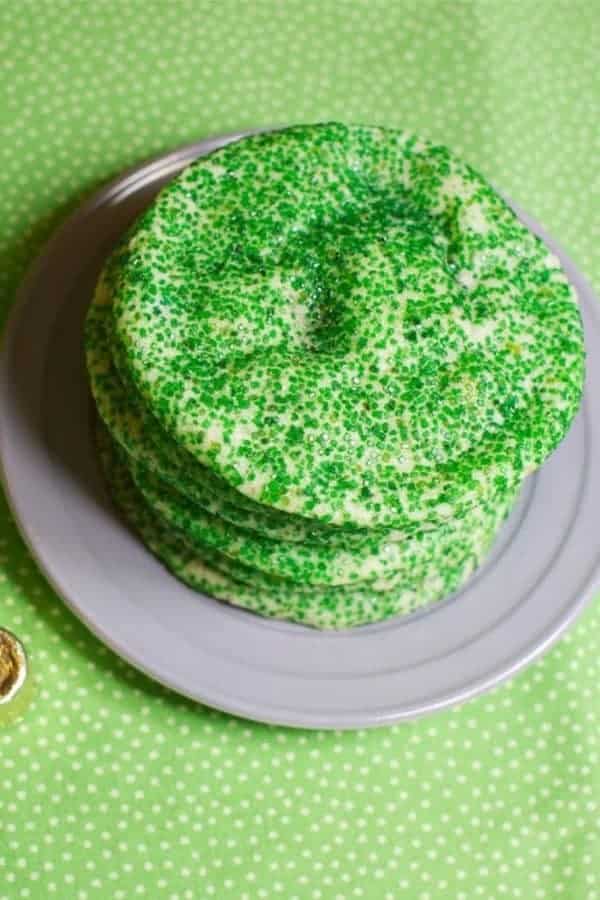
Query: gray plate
point(542, 568)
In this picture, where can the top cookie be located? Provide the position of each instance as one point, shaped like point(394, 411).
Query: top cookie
point(334, 317)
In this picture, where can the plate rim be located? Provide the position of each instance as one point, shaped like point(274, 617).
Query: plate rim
point(172, 161)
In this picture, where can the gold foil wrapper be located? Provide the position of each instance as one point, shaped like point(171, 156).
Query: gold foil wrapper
point(15, 678)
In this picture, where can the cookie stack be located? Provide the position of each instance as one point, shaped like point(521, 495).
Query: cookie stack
point(324, 360)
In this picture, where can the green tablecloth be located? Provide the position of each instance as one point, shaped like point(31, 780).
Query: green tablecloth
point(113, 787)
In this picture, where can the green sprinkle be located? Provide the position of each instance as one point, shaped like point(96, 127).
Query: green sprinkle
point(326, 358)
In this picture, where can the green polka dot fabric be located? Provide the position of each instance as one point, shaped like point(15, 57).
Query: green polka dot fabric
point(113, 787)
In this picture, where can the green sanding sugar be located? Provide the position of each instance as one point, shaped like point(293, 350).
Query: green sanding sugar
point(324, 353)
